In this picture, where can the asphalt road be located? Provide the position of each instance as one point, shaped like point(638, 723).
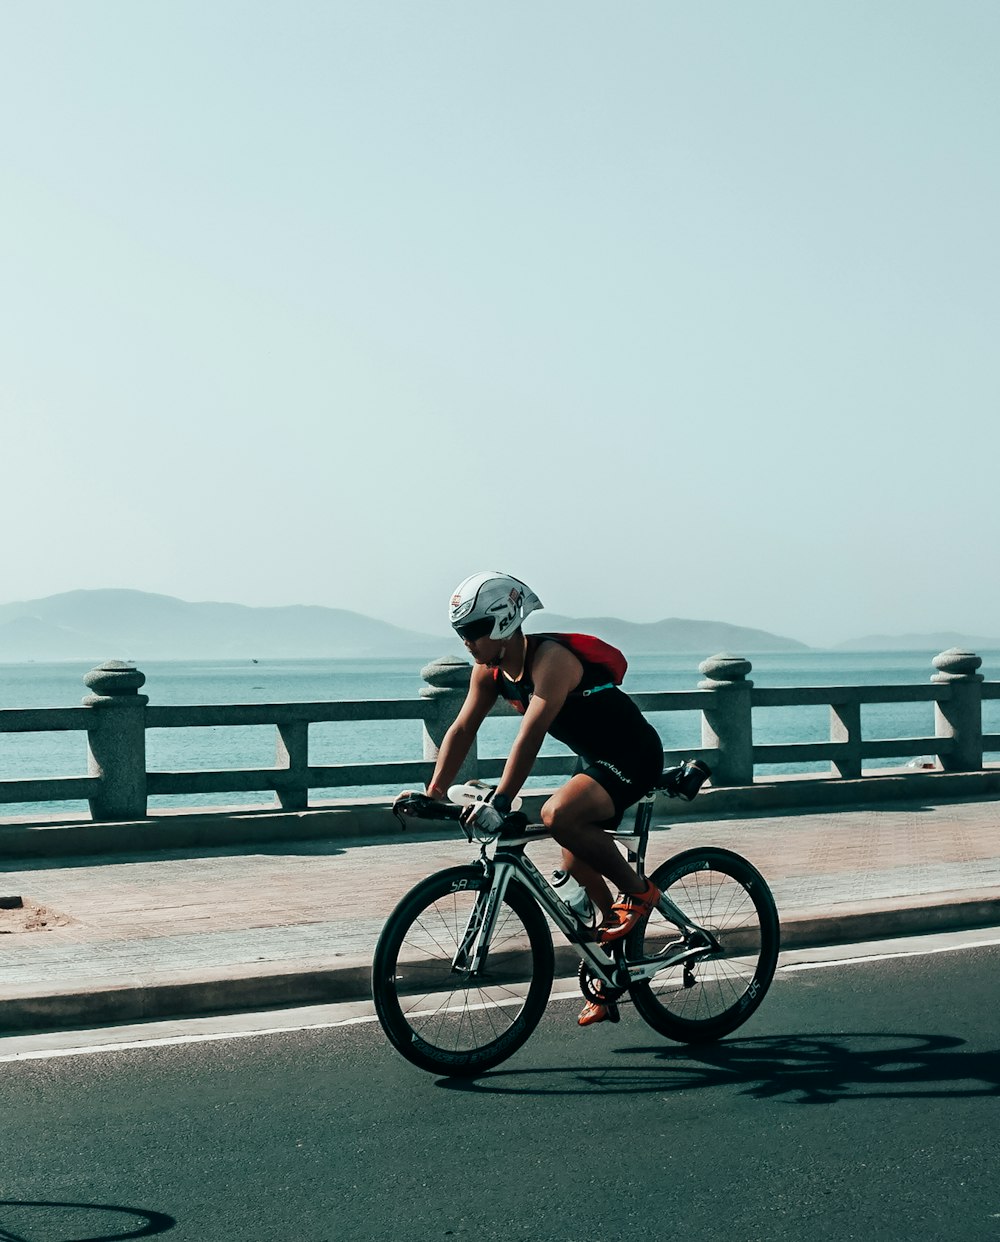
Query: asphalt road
point(859, 1103)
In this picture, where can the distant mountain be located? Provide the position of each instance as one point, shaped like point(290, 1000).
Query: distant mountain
point(135, 625)
point(675, 635)
point(919, 642)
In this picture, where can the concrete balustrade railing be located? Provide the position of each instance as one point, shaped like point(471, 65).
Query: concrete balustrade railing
point(115, 717)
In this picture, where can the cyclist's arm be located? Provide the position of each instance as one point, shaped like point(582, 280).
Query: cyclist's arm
point(555, 673)
point(462, 733)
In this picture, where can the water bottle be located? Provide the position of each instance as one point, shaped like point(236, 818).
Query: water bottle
point(475, 791)
point(572, 892)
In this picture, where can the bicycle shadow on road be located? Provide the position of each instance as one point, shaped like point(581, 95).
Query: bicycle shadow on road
point(78, 1222)
point(801, 1069)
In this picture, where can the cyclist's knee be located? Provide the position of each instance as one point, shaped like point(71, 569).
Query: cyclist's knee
point(576, 811)
point(561, 820)
point(551, 817)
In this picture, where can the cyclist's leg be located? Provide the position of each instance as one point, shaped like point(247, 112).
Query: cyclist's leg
point(578, 816)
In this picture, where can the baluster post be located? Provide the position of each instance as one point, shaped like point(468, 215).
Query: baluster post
point(447, 685)
point(292, 757)
point(727, 726)
point(116, 743)
point(960, 716)
point(845, 727)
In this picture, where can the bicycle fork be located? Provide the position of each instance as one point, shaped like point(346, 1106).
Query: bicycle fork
point(470, 957)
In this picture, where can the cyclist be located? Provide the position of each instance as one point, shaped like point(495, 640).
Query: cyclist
point(559, 694)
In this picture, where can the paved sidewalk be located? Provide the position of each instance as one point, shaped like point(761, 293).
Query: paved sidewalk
point(195, 931)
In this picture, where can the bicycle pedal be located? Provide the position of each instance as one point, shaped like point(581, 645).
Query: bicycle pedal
point(614, 1013)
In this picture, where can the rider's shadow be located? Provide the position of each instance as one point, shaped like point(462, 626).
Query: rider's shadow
point(31, 1220)
point(805, 1069)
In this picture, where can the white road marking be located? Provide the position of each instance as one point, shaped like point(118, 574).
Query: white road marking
point(42, 1054)
point(196, 1037)
point(321, 1017)
point(885, 956)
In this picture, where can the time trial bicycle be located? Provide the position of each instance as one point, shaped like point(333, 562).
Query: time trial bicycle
point(464, 966)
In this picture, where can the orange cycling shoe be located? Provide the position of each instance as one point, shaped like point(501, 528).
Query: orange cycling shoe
point(625, 914)
point(598, 1011)
point(592, 1012)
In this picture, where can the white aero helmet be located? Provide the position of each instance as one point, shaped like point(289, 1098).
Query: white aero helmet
point(490, 605)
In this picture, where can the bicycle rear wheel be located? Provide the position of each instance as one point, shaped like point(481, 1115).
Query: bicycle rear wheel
point(712, 995)
point(436, 1014)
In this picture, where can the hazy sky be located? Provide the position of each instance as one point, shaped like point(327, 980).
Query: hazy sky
point(671, 309)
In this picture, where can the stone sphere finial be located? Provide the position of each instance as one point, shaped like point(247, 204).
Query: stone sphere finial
point(724, 669)
point(445, 676)
point(957, 664)
point(115, 683)
point(114, 677)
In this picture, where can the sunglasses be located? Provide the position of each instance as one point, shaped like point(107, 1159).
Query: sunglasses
point(475, 629)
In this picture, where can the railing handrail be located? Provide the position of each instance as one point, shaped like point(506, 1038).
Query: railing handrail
point(45, 719)
point(830, 696)
point(203, 715)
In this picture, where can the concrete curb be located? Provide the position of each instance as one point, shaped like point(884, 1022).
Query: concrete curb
point(189, 996)
point(247, 988)
point(886, 920)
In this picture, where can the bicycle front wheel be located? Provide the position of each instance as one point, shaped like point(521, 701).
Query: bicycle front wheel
point(434, 1011)
point(713, 994)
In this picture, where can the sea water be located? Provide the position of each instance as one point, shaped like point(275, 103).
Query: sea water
point(31, 755)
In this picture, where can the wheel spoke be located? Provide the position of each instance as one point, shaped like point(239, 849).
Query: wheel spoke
point(446, 1018)
point(714, 993)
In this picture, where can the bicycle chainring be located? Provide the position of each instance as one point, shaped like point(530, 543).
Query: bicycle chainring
point(596, 991)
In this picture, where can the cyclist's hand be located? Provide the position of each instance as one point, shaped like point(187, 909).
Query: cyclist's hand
point(484, 817)
point(408, 802)
point(414, 793)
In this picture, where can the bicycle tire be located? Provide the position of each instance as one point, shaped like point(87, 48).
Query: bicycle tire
point(432, 1014)
point(726, 895)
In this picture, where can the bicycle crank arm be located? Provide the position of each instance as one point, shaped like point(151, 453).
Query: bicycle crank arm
point(604, 965)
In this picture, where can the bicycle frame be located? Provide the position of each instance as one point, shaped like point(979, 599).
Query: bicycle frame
point(464, 966)
point(606, 963)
